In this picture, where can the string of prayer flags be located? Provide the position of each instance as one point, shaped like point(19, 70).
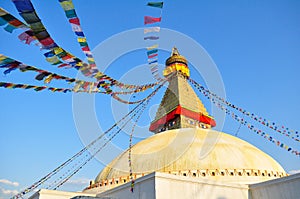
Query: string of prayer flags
point(256, 130)
point(152, 35)
point(155, 4)
point(218, 100)
point(57, 55)
point(13, 23)
point(39, 32)
point(70, 12)
point(116, 97)
point(242, 120)
point(12, 64)
point(144, 102)
point(10, 22)
point(118, 126)
point(272, 125)
point(9, 85)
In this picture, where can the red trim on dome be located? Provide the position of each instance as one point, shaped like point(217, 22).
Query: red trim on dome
point(182, 111)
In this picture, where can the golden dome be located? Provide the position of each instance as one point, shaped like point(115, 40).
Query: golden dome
point(176, 62)
point(196, 152)
point(176, 57)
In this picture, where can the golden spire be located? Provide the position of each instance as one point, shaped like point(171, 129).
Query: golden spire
point(180, 106)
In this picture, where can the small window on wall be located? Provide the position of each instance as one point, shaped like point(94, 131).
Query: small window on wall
point(190, 121)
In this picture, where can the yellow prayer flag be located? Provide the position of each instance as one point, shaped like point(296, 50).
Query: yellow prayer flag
point(91, 59)
point(58, 50)
point(52, 60)
point(2, 57)
point(3, 12)
point(81, 39)
point(152, 47)
point(67, 5)
point(48, 79)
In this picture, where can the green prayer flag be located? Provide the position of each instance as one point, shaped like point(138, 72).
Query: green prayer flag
point(83, 43)
point(156, 4)
point(71, 13)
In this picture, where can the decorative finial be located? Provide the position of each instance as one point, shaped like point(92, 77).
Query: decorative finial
point(175, 51)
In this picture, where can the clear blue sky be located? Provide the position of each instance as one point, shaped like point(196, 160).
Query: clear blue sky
point(255, 45)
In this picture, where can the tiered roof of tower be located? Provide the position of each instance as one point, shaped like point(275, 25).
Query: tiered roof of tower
point(180, 106)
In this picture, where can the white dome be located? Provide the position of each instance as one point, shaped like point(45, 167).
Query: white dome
point(201, 153)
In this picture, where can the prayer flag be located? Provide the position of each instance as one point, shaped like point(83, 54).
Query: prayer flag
point(152, 62)
point(75, 21)
point(15, 23)
point(37, 27)
point(71, 13)
point(46, 42)
point(79, 33)
point(49, 54)
point(42, 75)
point(2, 12)
point(151, 38)
point(31, 17)
point(150, 20)
point(81, 39)
point(9, 28)
point(2, 21)
point(53, 60)
point(76, 28)
point(23, 6)
point(67, 5)
point(152, 56)
point(49, 78)
point(156, 4)
point(25, 37)
point(152, 47)
point(151, 29)
point(152, 51)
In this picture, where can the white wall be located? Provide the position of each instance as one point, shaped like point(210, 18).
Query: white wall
point(144, 188)
point(282, 188)
point(167, 186)
point(52, 194)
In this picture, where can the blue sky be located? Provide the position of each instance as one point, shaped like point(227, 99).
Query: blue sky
point(255, 45)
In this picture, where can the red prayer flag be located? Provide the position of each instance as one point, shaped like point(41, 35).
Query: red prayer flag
point(150, 20)
point(46, 42)
point(86, 48)
point(15, 23)
point(75, 21)
point(152, 55)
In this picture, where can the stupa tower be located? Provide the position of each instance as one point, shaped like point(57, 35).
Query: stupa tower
point(180, 106)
